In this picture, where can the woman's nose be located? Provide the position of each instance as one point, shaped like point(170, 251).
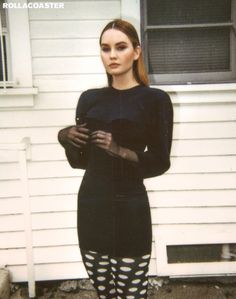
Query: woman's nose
point(113, 53)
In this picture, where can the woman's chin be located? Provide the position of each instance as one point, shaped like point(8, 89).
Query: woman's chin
point(114, 72)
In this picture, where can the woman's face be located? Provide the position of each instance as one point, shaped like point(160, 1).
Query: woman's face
point(116, 48)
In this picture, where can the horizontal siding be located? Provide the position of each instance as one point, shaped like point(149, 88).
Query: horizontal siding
point(194, 215)
point(53, 169)
point(50, 186)
point(199, 148)
point(45, 255)
point(181, 131)
point(67, 29)
point(41, 221)
point(69, 83)
point(74, 270)
point(67, 66)
point(9, 240)
point(65, 59)
point(68, 202)
point(185, 114)
point(52, 101)
point(203, 97)
point(175, 215)
point(201, 130)
point(65, 48)
point(56, 100)
point(197, 191)
point(52, 237)
point(78, 10)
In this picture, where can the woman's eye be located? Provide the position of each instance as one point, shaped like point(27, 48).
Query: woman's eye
point(121, 48)
point(105, 49)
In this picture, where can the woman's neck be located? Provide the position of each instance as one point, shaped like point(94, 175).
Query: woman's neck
point(123, 82)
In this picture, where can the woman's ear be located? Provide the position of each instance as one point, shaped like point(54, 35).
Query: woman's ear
point(137, 51)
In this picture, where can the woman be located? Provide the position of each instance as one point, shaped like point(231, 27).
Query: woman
point(114, 125)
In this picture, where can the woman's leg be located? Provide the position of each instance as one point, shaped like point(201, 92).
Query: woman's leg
point(98, 268)
point(131, 276)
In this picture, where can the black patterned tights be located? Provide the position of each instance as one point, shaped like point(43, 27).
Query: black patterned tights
point(117, 277)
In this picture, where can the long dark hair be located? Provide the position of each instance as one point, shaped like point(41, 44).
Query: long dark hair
point(127, 28)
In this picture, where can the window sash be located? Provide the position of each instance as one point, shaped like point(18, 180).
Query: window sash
point(5, 54)
point(191, 77)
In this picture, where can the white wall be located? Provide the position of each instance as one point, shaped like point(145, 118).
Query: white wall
point(65, 58)
point(198, 189)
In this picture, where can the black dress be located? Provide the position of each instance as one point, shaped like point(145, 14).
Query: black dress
point(113, 207)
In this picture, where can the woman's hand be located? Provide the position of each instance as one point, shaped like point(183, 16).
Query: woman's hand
point(105, 141)
point(77, 136)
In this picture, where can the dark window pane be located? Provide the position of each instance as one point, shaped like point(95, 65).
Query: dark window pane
point(194, 253)
point(3, 14)
point(170, 12)
point(189, 50)
point(1, 62)
point(3, 22)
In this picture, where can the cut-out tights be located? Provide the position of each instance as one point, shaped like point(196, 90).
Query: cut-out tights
point(117, 277)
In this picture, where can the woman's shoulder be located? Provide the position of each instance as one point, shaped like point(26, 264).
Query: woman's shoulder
point(155, 97)
point(89, 96)
point(93, 91)
point(158, 101)
point(157, 93)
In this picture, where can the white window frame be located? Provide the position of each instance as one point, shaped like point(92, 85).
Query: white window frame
point(20, 61)
point(181, 93)
point(5, 34)
point(196, 77)
point(177, 235)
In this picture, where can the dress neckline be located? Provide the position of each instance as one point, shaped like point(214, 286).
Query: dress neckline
point(126, 89)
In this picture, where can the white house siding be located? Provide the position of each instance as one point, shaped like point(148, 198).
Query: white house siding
point(197, 191)
point(65, 58)
point(195, 202)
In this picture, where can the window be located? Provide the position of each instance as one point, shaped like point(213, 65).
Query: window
point(16, 82)
point(3, 46)
point(189, 41)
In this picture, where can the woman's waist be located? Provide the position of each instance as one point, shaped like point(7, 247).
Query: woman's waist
point(113, 167)
point(102, 183)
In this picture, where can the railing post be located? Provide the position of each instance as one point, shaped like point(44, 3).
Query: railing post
point(23, 151)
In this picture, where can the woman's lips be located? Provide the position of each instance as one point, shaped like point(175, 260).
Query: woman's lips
point(113, 65)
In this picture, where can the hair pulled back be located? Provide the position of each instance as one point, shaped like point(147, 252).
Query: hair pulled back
point(127, 28)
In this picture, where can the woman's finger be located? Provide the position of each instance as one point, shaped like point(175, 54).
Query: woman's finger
point(76, 145)
point(98, 134)
point(83, 136)
point(98, 141)
point(79, 141)
point(79, 135)
point(82, 129)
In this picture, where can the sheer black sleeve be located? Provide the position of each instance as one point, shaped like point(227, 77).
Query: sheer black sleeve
point(76, 158)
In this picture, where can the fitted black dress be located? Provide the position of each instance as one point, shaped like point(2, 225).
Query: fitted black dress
point(113, 207)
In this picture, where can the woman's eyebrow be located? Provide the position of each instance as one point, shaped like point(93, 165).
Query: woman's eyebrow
point(103, 44)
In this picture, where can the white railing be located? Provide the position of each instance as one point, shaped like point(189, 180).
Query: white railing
point(23, 150)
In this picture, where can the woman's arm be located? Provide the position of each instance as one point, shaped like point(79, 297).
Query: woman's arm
point(156, 160)
point(127, 154)
point(76, 154)
point(75, 138)
point(76, 159)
